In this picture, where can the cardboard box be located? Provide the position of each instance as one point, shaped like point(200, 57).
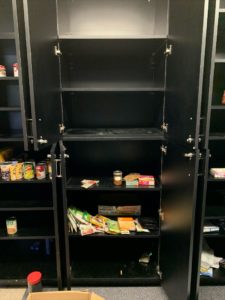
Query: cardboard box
point(64, 295)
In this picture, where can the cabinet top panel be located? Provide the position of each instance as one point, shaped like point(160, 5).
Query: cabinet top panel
point(107, 18)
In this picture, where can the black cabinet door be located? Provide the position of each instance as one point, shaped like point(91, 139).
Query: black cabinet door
point(180, 180)
point(185, 66)
point(43, 68)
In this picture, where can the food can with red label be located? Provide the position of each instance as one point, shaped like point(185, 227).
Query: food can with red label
point(15, 70)
point(29, 170)
point(2, 71)
point(41, 171)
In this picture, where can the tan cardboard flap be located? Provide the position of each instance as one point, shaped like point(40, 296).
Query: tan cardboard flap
point(96, 297)
point(64, 295)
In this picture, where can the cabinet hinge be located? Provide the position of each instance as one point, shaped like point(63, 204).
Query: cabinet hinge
point(161, 215)
point(168, 50)
point(164, 127)
point(159, 272)
point(190, 139)
point(62, 128)
point(164, 149)
point(57, 51)
point(42, 141)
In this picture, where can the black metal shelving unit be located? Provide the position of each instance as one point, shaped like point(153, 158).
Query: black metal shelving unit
point(118, 92)
point(213, 205)
point(113, 76)
point(33, 202)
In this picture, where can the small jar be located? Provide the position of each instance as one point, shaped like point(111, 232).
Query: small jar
point(2, 71)
point(11, 225)
point(117, 177)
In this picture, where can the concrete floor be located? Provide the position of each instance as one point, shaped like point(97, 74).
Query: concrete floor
point(133, 293)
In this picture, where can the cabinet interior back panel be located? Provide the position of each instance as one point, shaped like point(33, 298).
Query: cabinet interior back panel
point(222, 4)
point(110, 63)
point(221, 35)
point(112, 18)
point(108, 110)
point(9, 95)
point(6, 16)
point(101, 159)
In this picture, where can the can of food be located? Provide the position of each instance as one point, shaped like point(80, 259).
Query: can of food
point(15, 70)
point(11, 225)
point(40, 171)
point(16, 171)
point(29, 170)
point(2, 71)
point(5, 171)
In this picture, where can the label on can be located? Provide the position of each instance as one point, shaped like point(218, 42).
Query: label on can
point(5, 171)
point(41, 171)
point(11, 225)
point(29, 170)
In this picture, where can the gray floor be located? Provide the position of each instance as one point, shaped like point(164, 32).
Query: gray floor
point(135, 293)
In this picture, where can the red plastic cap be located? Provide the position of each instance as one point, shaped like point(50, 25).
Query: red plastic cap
point(34, 278)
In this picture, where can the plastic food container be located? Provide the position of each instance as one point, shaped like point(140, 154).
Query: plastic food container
point(34, 282)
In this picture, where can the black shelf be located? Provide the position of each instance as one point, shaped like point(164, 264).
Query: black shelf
point(113, 37)
point(5, 108)
point(217, 137)
point(106, 184)
point(23, 205)
point(214, 234)
point(7, 35)
point(218, 106)
point(26, 181)
point(113, 273)
point(212, 179)
point(11, 137)
point(9, 78)
point(220, 58)
point(113, 88)
point(30, 233)
point(13, 272)
point(217, 279)
point(135, 235)
point(114, 134)
point(214, 212)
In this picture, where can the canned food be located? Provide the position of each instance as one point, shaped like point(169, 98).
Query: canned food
point(15, 70)
point(41, 171)
point(16, 171)
point(2, 71)
point(11, 225)
point(5, 171)
point(29, 170)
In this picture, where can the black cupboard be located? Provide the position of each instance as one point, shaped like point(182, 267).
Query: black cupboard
point(120, 85)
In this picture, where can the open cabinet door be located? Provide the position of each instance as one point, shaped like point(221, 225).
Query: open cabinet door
point(43, 69)
point(180, 177)
point(185, 66)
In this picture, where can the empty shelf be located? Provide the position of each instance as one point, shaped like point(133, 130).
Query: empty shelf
point(5, 108)
point(114, 134)
point(113, 272)
point(220, 58)
point(108, 37)
point(214, 212)
point(7, 35)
